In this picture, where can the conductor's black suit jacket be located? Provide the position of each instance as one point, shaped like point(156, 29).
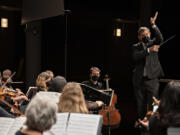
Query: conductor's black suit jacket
point(147, 60)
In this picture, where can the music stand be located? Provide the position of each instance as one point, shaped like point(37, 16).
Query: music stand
point(93, 94)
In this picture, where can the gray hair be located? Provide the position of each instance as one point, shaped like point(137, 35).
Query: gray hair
point(41, 113)
point(142, 29)
point(94, 68)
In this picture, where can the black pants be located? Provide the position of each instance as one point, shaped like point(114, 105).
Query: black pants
point(144, 91)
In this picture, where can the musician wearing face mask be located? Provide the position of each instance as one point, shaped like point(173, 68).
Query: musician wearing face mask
point(93, 78)
point(147, 67)
point(93, 82)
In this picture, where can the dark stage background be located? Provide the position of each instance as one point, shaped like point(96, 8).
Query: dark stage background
point(90, 42)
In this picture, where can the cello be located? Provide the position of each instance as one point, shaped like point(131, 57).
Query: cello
point(111, 115)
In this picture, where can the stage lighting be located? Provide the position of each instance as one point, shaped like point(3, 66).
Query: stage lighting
point(118, 32)
point(4, 23)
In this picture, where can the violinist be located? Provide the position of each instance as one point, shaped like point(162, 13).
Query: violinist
point(168, 113)
point(9, 97)
point(6, 77)
point(10, 100)
point(41, 82)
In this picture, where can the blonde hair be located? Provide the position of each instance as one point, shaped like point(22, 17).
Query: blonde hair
point(72, 99)
point(41, 80)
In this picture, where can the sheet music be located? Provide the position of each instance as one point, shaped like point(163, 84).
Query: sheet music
point(5, 124)
point(53, 95)
point(17, 124)
point(9, 126)
point(60, 127)
point(84, 124)
point(78, 124)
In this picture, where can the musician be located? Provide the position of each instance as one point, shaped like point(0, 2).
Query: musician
point(93, 78)
point(41, 81)
point(5, 84)
point(168, 113)
point(6, 77)
point(147, 67)
point(94, 83)
point(56, 84)
point(40, 116)
point(10, 97)
point(72, 99)
point(10, 100)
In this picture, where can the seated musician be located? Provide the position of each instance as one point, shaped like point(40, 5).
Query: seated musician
point(45, 82)
point(10, 100)
point(56, 84)
point(41, 81)
point(168, 112)
point(6, 76)
point(94, 83)
point(40, 116)
point(93, 78)
point(72, 99)
point(9, 95)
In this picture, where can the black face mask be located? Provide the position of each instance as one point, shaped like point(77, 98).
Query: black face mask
point(94, 78)
point(146, 39)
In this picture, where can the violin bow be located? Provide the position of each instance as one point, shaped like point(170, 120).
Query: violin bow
point(11, 106)
point(7, 80)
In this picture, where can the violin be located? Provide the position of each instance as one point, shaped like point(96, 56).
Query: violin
point(111, 115)
point(16, 110)
point(149, 113)
point(146, 118)
point(12, 94)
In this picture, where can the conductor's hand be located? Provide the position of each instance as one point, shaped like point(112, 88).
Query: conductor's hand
point(153, 19)
point(154, 48)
